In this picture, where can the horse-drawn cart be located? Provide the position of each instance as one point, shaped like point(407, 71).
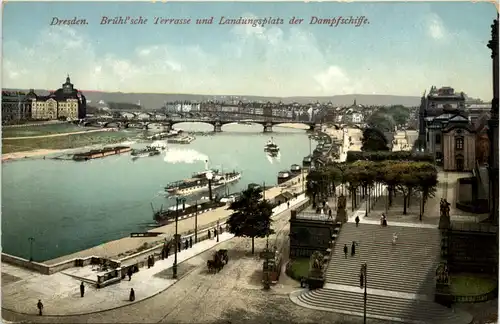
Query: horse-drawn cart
point(219, 260)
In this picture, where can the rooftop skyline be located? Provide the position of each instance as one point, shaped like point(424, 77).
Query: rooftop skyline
point(405, 48)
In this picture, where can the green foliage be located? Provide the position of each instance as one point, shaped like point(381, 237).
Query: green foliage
point(382, 121)
point(353, 156)
point(251, 215)
point(374, 140)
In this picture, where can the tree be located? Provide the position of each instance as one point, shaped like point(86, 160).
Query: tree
point(427, 182)
point(251, 216)
point(381, 120)
point(374, 140)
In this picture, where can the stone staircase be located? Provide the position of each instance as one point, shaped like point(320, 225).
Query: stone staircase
point(392, 309)
point(409, 266)
point(400, 277)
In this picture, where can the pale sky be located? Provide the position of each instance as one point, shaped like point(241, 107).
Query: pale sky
point(405, 48)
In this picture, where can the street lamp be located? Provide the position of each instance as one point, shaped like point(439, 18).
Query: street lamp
point(363, 272)
point(217, 230)
point(31, 239)
point(209, 176)
point(177, 201)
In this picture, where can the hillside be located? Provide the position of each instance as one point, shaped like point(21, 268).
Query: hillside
point(157, 100)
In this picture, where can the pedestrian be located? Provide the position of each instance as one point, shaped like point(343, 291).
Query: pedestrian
point(394, 238)
point(330, 213)
point(287, 204)
point(39, 305)
point(220, 229)
point(153, 260)
point(353, 248)
point(361, 280)
point(186, 244)
point(209, 237)
point(190, 241)
point(149, 262)
point(131, 296)
point(215, 232)
point(357, 220)
point(129, 273)
point(346, 250)
point(82, 289)
point(179, 246)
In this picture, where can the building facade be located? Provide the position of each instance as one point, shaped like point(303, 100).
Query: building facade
point(16, 106)
point(64, 103)
point(459, 147)
point(433, 105)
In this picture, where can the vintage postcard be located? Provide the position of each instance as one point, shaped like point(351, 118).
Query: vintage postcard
point(249, 162)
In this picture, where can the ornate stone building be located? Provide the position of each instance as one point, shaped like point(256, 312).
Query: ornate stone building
point(434, 105)
point(459, 147)
point(16, 106)
point(65, 102)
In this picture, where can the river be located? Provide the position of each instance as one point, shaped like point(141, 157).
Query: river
point(68, 206)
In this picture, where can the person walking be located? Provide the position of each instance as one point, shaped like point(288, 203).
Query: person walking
point(357, 220)
point(129, 273)
point(215, 232)
point(190, 241)
point(209, 234)
point(353, 248)
point(361, 280)
point(82, 290)
point(39, 305)
point(346, 250)
point(131, 296)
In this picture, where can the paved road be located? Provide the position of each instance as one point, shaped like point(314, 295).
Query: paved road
point(235, 294)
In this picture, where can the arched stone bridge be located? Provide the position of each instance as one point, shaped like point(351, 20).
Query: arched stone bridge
point(169, 123)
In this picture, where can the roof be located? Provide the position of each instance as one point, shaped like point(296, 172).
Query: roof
point(451, 127)
point(285, 194)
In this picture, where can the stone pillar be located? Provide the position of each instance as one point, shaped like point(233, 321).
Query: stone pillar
point(217, 127)
point(493, 126)
point(268, 128)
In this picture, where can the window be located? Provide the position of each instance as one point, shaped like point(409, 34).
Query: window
point(438, 138)
point(459, 143)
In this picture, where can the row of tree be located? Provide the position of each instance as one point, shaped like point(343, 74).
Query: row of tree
point(404, 176)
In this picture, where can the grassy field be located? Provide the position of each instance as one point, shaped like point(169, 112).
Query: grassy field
point(62, 142)
point(299, 268)
point(41, 130)
point(466, 284)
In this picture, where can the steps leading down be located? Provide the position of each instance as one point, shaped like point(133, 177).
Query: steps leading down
point(400, 277)
point(408, 266)
point(387, 308)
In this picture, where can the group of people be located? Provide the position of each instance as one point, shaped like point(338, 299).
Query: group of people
point(353, 249)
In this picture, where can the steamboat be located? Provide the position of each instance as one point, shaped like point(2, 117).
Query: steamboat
point(164, 217)
point(272, 148)
point(148, 151)
point(200, 181)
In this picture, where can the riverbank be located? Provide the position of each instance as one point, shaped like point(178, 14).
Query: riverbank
point(28, 154)
point(61, 134)
point(126, 246)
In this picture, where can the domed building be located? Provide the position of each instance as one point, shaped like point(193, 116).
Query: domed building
point(64, 103)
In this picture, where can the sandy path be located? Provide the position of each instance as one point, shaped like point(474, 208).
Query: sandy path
point(28, 154)
point(61, 134)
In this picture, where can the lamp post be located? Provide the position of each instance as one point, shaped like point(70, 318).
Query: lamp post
point(196, 223)
point(217, 229)
point(31, 239)
point(209, 176)
point(365, 295)
point(174, 267)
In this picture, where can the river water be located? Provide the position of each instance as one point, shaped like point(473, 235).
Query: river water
point(68, 206)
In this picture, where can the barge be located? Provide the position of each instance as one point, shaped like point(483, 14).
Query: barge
point(97, 154)
point(148, 151)
point(181, 140)
point(164, 217)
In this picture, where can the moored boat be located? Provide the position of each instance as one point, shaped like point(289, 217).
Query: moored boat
point(147, 151)
point(199, 181)
point(96, 154)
